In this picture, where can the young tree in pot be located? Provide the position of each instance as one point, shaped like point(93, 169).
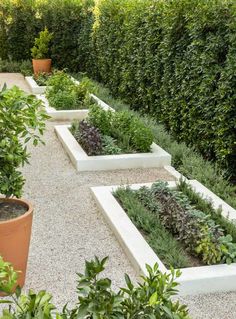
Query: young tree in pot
point(41, 62)
point(21, 120)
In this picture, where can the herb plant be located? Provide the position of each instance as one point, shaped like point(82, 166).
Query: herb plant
point(42, 78)
point(172, 210)
point(129, 132)
point(64, 94)
point(88, 137)
point(21, 120)
point(146, 219)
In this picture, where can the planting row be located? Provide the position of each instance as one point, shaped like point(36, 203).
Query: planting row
point(65, 98)
point(100, 139)
point(176, 225)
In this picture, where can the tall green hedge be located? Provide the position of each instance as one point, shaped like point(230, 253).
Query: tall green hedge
point(177, 60)
point(21, 20)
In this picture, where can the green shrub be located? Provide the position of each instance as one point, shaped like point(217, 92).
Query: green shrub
point(68, 42)
point(151, 297)
point(174, 59)
point(42, 78)
point(22, 20)
point(41, 45)
point(21, 120)
point(141, 136)
point(19, 26)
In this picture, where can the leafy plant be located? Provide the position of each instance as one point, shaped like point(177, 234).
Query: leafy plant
point(101, 119)
point(127, 129)
point(88, 137)
point(42, 78)
point(228, 226)
point(109, 146)
point(194, 228)
point(8, 277)
point(152, 298)
point(165, 216)
point(41, 45)
point(21, 120)
point(143, 210)
point(64, 94)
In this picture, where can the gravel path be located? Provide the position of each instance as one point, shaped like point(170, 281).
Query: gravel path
point(68, 228)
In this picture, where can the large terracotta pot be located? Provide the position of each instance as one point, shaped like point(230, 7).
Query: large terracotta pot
point(42, 66)
point(15, 239)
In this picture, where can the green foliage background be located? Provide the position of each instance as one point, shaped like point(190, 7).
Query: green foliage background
point(172, 58)
point(176, 60)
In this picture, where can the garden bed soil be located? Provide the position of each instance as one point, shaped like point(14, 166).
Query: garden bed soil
point(11, 210)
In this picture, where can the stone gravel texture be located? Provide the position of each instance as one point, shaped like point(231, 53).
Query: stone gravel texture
point(68, 227)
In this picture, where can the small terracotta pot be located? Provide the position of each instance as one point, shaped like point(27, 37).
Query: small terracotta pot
point(15, 238)
point(42, 65)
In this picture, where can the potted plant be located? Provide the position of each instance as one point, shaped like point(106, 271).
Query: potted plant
point(39, 52)
point(21, 120)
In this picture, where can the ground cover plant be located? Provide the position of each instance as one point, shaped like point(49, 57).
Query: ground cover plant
point(182, 228)
point(151, 298)
point(64, 94)
point(184, 158)
point(108, 132)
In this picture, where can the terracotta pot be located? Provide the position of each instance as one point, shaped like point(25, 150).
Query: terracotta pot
point(42, 65)
point(15, 238)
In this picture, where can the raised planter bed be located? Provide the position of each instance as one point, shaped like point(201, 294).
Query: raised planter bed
point(156, 158)
point(35, 88)
point(194, 280)
point(69, 115)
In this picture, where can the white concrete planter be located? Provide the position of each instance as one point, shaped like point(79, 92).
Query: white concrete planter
point(156, 158)
point(194, 280)
point(62, 115)
point(69, 115)
point(35, 88)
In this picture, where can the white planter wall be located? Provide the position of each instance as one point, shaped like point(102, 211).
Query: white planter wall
point(156, 158)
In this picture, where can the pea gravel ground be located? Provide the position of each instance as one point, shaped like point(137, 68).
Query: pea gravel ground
point(68, 228)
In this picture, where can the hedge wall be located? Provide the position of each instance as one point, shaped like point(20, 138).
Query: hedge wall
point(21, 20)
point(175, 59)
